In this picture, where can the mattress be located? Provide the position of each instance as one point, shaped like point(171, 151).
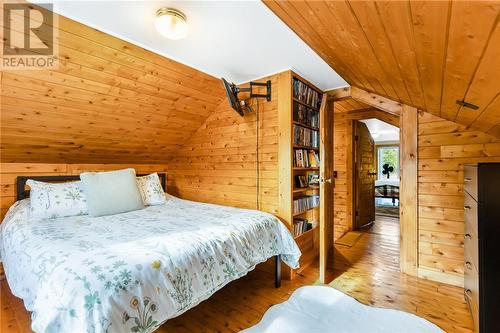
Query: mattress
point(131, 272)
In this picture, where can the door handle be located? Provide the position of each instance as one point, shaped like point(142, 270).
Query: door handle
point(329, 180)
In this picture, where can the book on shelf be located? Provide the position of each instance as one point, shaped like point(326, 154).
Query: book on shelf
point(303, 158)
point(312, 179)
point(301, 181)
point(313, 158)
point(303, 136)
point(304, 115)
point(305, 203)
point(306, 94)
point(300, 226)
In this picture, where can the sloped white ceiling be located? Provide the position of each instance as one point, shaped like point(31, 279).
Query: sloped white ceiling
point(237, 40)
point(382, 131)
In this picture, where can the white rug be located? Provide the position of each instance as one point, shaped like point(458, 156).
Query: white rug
point(320, 309)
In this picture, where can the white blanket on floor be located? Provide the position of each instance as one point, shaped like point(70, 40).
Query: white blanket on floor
point(319, 309)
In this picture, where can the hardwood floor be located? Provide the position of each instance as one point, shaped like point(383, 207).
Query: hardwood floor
point(368, 271)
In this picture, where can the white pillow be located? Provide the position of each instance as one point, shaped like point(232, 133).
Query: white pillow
point(151, 190)
point(51, 200)
point(111, 192)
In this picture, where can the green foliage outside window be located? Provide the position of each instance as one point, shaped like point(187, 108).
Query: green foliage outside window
point(389, 155)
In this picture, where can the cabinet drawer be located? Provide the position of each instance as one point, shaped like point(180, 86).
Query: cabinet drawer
point(470, 214)
point(470, 180)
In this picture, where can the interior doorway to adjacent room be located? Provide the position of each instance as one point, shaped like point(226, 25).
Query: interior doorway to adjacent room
point(376, 174)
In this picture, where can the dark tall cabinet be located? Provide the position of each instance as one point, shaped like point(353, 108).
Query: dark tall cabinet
point(482, 244)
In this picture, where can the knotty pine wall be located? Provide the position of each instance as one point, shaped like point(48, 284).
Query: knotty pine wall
point(444, 148)
point(218, 164)
point(108, 102)
point(342, 208)
point(9, 172)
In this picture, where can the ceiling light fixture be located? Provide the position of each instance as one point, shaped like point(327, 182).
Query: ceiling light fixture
point(171, 23)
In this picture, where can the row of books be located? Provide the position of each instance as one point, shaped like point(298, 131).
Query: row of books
point(300, 226)
point(306, 94)
point(305, 115)
point(305, 203)
point(303, 158)
point(305, 137)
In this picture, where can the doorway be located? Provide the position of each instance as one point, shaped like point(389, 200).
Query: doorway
point(348, 110)
point(376, 175)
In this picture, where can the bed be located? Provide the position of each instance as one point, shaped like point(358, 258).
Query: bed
point(133, 271)
point(388, 189)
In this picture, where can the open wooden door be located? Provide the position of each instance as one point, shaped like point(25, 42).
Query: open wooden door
point(326, 184)
point(364, 176)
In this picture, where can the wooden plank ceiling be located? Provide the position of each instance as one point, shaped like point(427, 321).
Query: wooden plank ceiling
point(109, 102)
point(350, 104)
point(427, 54)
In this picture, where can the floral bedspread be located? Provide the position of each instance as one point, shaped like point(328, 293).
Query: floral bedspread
point(131, 272)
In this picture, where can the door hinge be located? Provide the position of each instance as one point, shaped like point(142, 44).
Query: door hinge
point(356, 213)
point(356, 137)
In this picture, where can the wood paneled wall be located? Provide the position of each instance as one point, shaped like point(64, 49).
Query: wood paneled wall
point(109, 101)
point(9, 172)
point(342, 209)
point(443, 149)
point(219, 162)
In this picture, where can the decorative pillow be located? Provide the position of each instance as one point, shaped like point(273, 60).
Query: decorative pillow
point(151, 190)
point(111, 192)
point(51, 200)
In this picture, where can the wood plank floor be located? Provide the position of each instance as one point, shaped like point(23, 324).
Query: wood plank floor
point(368, 271)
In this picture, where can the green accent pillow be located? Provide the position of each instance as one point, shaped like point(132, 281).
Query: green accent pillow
point(111, 192)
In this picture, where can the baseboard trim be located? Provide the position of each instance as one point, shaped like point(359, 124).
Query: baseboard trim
point(428, 274)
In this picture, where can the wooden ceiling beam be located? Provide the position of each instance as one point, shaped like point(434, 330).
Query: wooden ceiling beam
point(339, 93)
point(366, 97)
point(377, 101)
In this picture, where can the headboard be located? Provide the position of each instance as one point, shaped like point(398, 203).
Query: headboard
point(22, 193)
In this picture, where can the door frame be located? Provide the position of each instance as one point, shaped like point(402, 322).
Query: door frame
point(326, 184)
point(351, 183)
point(385, 109)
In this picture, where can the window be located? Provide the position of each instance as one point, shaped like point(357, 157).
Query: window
point(390, 156)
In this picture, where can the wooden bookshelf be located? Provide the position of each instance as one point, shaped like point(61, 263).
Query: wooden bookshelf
point(295, 112)
point(305, 147)
point(306, 169)
point(306, 126)
point(305, 189)
point(296, 100)
point(305, 211)
point(305, 233)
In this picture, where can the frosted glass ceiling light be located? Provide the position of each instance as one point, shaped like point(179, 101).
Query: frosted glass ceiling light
point(171, 23)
